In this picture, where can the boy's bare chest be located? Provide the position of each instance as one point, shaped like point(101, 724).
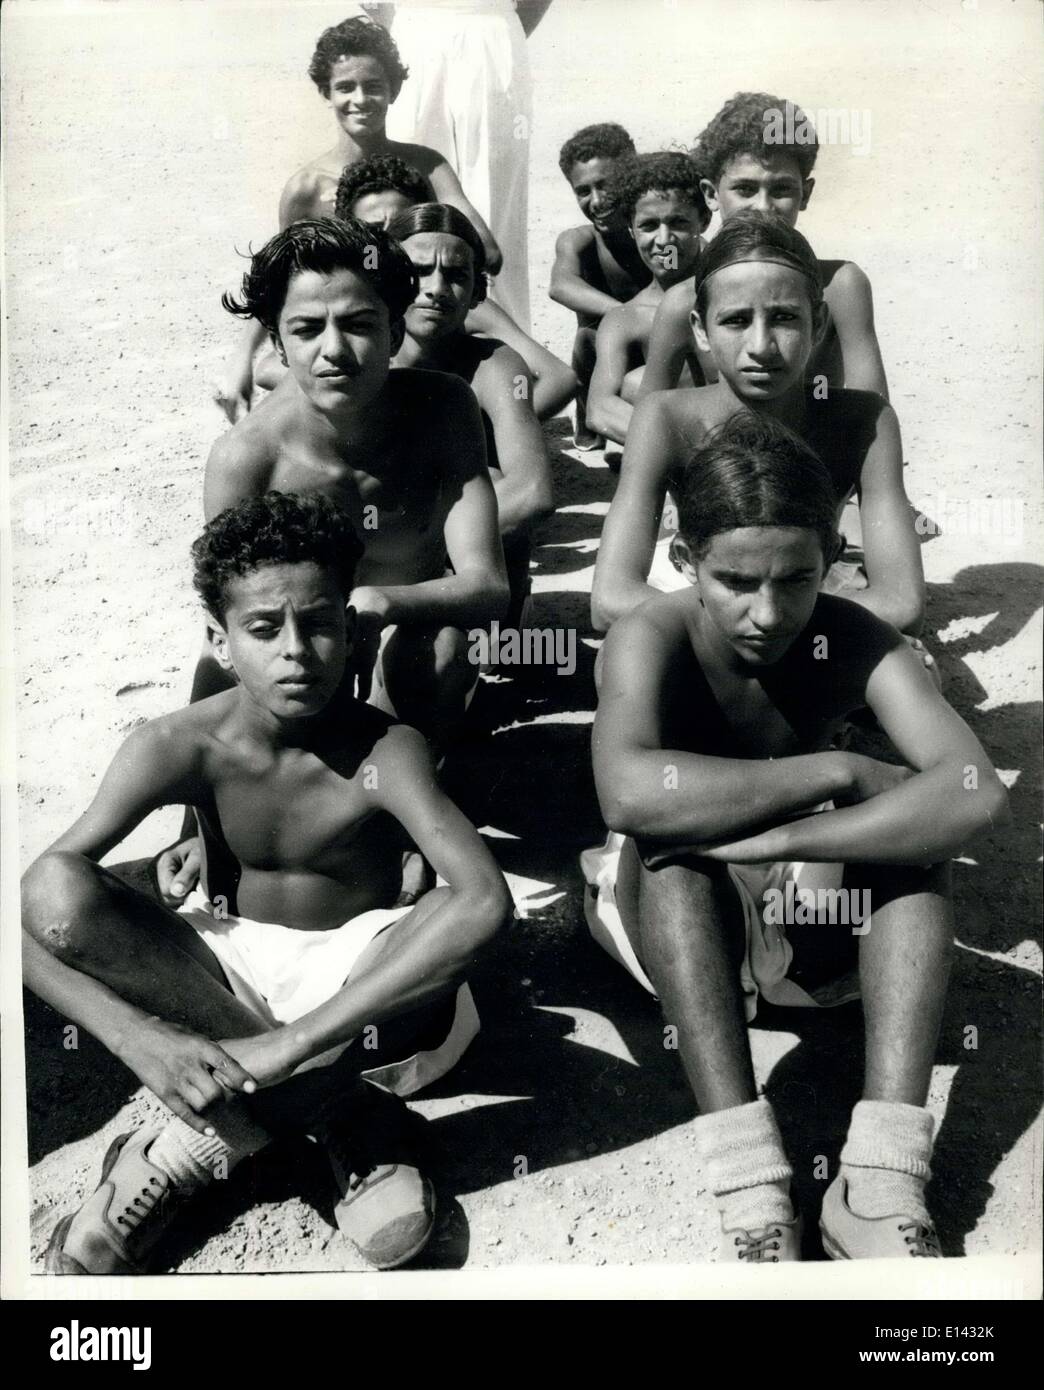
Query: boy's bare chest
point(291, 815)
point(389, 498)
point(620, 280)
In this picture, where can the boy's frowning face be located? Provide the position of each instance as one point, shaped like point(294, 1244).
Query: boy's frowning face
point(377, 209)
point(335, 337)
point(285, 636)
point(589, 181)
point(758, 587)
point(666, 229)
point(445, 267)
point(760, 327)
point(770, 183)
point(359, 95)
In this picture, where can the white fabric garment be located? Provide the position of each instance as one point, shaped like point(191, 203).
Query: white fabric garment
point(469, 96)
point(768, 953)
point(282, 973)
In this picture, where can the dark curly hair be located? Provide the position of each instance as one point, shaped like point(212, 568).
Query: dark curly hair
point(324, 244)
point(750, 235)
point(349, 39)
point(440, 217)
point(381, 173)
point(753, 471)
point(279, 528)
point(607, 141)
point(662, 172)
point(744, 125)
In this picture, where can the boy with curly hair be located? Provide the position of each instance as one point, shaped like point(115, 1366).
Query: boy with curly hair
point(660, 197)
point(241, 1010)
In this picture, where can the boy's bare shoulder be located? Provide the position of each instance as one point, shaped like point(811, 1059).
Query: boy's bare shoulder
point(422, 157)
point(659, 622)
point(576, 239)
point(251, 446)
point(307, 191)
point(843, 281)
point(424, 389)
point(178, 742)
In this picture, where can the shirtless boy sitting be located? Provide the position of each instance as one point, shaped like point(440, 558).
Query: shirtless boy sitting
point(659, 196)
point(758, 153)
point(447, 256)
point(712, 757)
point(403, 452)
point(759, 314)
point(596, 267)
point(358, 72)
point(238, 1011)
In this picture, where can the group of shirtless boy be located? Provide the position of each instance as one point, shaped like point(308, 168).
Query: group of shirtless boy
point(374, 507)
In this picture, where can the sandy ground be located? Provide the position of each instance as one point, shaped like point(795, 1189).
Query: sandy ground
point(143, 145)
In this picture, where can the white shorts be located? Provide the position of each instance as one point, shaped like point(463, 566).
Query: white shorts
point(768, 953)
point(282, 973)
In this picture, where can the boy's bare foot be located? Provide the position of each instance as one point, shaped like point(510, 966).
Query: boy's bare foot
point(585, 439)
point(387, 1205)
point(119, 1226)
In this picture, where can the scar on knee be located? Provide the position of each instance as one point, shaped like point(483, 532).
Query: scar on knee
point(60, 937)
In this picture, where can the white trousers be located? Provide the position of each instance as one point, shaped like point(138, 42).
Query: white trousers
point(469, 96)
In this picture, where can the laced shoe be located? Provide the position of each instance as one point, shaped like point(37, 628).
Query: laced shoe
point(116, 1229)
point(847, 1236)
point(387, 1205)
point(777, 1243)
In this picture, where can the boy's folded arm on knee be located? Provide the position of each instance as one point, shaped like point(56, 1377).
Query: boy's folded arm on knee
point(468, 913)
point(674, 796)
point(668, 344)
point(895, 587)
point(628, 542)
point(948, 794)
point(608, 413)
point(568, 286)
point(523, 488)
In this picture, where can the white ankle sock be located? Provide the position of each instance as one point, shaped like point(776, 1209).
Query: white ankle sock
point(886, 1159)
point(191, 1159)
point(741, 1150)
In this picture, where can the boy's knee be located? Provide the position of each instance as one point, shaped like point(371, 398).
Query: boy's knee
point(57, 893)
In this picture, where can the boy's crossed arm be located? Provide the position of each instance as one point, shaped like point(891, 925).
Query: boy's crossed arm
point(891, 550)
point(523, 488)
point(569, 287)
point(608, 413)
point(742, 810)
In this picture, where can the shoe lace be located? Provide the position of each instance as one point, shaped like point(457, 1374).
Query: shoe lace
point(756, 1248)
point(924, 1242)
point(139, 1206)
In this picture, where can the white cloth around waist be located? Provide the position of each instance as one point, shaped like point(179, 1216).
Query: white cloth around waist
point(282, 973)
point(767, 955)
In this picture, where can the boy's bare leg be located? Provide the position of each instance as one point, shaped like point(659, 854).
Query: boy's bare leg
point(904, 968)
point(583, 364)
point(876, 1205)
point(424, 679)
point(692, 939)
point(691, 945)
